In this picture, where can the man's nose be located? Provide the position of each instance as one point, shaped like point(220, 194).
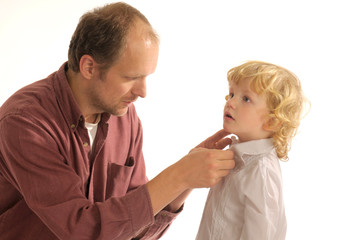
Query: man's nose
point(140, 88)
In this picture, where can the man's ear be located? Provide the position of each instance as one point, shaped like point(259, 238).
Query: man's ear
point(87, 66)
point(272, 124)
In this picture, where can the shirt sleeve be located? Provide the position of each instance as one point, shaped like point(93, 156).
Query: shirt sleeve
point(262, 203)
point(162, 221)
point(52, 189)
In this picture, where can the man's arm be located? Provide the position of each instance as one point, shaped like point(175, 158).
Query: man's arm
point(216, 141)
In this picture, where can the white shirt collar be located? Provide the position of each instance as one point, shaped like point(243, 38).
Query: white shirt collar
point(250, 148)
point(254, 147)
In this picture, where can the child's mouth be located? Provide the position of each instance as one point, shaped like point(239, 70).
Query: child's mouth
point(229, 116)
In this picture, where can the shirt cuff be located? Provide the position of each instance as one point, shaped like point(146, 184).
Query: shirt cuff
point(161, 223)
point(140, 208)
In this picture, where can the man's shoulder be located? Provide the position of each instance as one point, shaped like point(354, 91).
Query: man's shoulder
point(36, 102)
point(28, 97)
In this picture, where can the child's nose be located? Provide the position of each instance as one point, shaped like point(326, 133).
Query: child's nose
point(230, 103)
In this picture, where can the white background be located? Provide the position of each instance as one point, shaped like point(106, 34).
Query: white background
point(200, 40)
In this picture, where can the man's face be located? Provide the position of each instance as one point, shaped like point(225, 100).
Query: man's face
point(125, 80)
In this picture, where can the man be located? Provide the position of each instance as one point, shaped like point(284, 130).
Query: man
point(71, 162)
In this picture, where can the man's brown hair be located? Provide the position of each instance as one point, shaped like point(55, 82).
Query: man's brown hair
point(102, 34)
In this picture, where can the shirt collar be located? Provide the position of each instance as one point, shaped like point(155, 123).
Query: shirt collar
point(250, 148)
point(254, 147)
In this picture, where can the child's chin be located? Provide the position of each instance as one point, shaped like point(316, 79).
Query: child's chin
point(227, 128)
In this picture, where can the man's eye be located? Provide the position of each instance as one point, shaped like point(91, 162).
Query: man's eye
point(246, 99)
point(131, 78)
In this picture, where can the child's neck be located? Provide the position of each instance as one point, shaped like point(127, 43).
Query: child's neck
point(242, 140)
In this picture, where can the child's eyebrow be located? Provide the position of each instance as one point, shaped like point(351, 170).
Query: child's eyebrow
point(251, 93)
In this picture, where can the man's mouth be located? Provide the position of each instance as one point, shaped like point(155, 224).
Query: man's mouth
point(130, 101)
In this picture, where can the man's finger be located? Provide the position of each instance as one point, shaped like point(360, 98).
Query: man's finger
point(224, 154)
point(218, 135)
point(223, 143)
point(226, 165)
point(223, 173)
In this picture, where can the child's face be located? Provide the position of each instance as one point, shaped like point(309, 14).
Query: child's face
point(245, 113)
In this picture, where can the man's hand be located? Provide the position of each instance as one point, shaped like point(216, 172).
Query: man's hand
point(216, 141)
point(199, 169)
point(205, 167)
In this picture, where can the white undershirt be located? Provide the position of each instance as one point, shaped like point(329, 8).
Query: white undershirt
point(92, 130)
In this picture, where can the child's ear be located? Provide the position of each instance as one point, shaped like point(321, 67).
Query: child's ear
point(272, 124)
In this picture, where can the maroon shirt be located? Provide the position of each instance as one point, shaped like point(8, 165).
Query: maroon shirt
point(52, 186)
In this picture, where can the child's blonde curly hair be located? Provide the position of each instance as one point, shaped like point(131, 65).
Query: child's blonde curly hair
point(284, 96)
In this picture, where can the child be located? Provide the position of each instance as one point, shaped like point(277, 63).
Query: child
point(263, 110)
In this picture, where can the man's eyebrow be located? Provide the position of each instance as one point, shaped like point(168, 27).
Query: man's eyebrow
point(134, 76)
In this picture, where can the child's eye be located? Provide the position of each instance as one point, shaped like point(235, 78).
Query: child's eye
point(229, 96)
point(246, 99)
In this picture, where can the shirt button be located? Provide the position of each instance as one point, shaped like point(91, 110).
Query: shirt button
point(85, 144)
point(72, 126)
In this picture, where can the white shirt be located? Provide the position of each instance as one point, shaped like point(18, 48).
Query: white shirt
point(248, 203)
point(92, 131)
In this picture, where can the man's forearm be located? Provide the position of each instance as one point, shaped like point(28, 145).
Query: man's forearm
point(166, 190)
point(177, 203)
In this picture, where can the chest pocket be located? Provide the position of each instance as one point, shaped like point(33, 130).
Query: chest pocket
point(118, 178)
